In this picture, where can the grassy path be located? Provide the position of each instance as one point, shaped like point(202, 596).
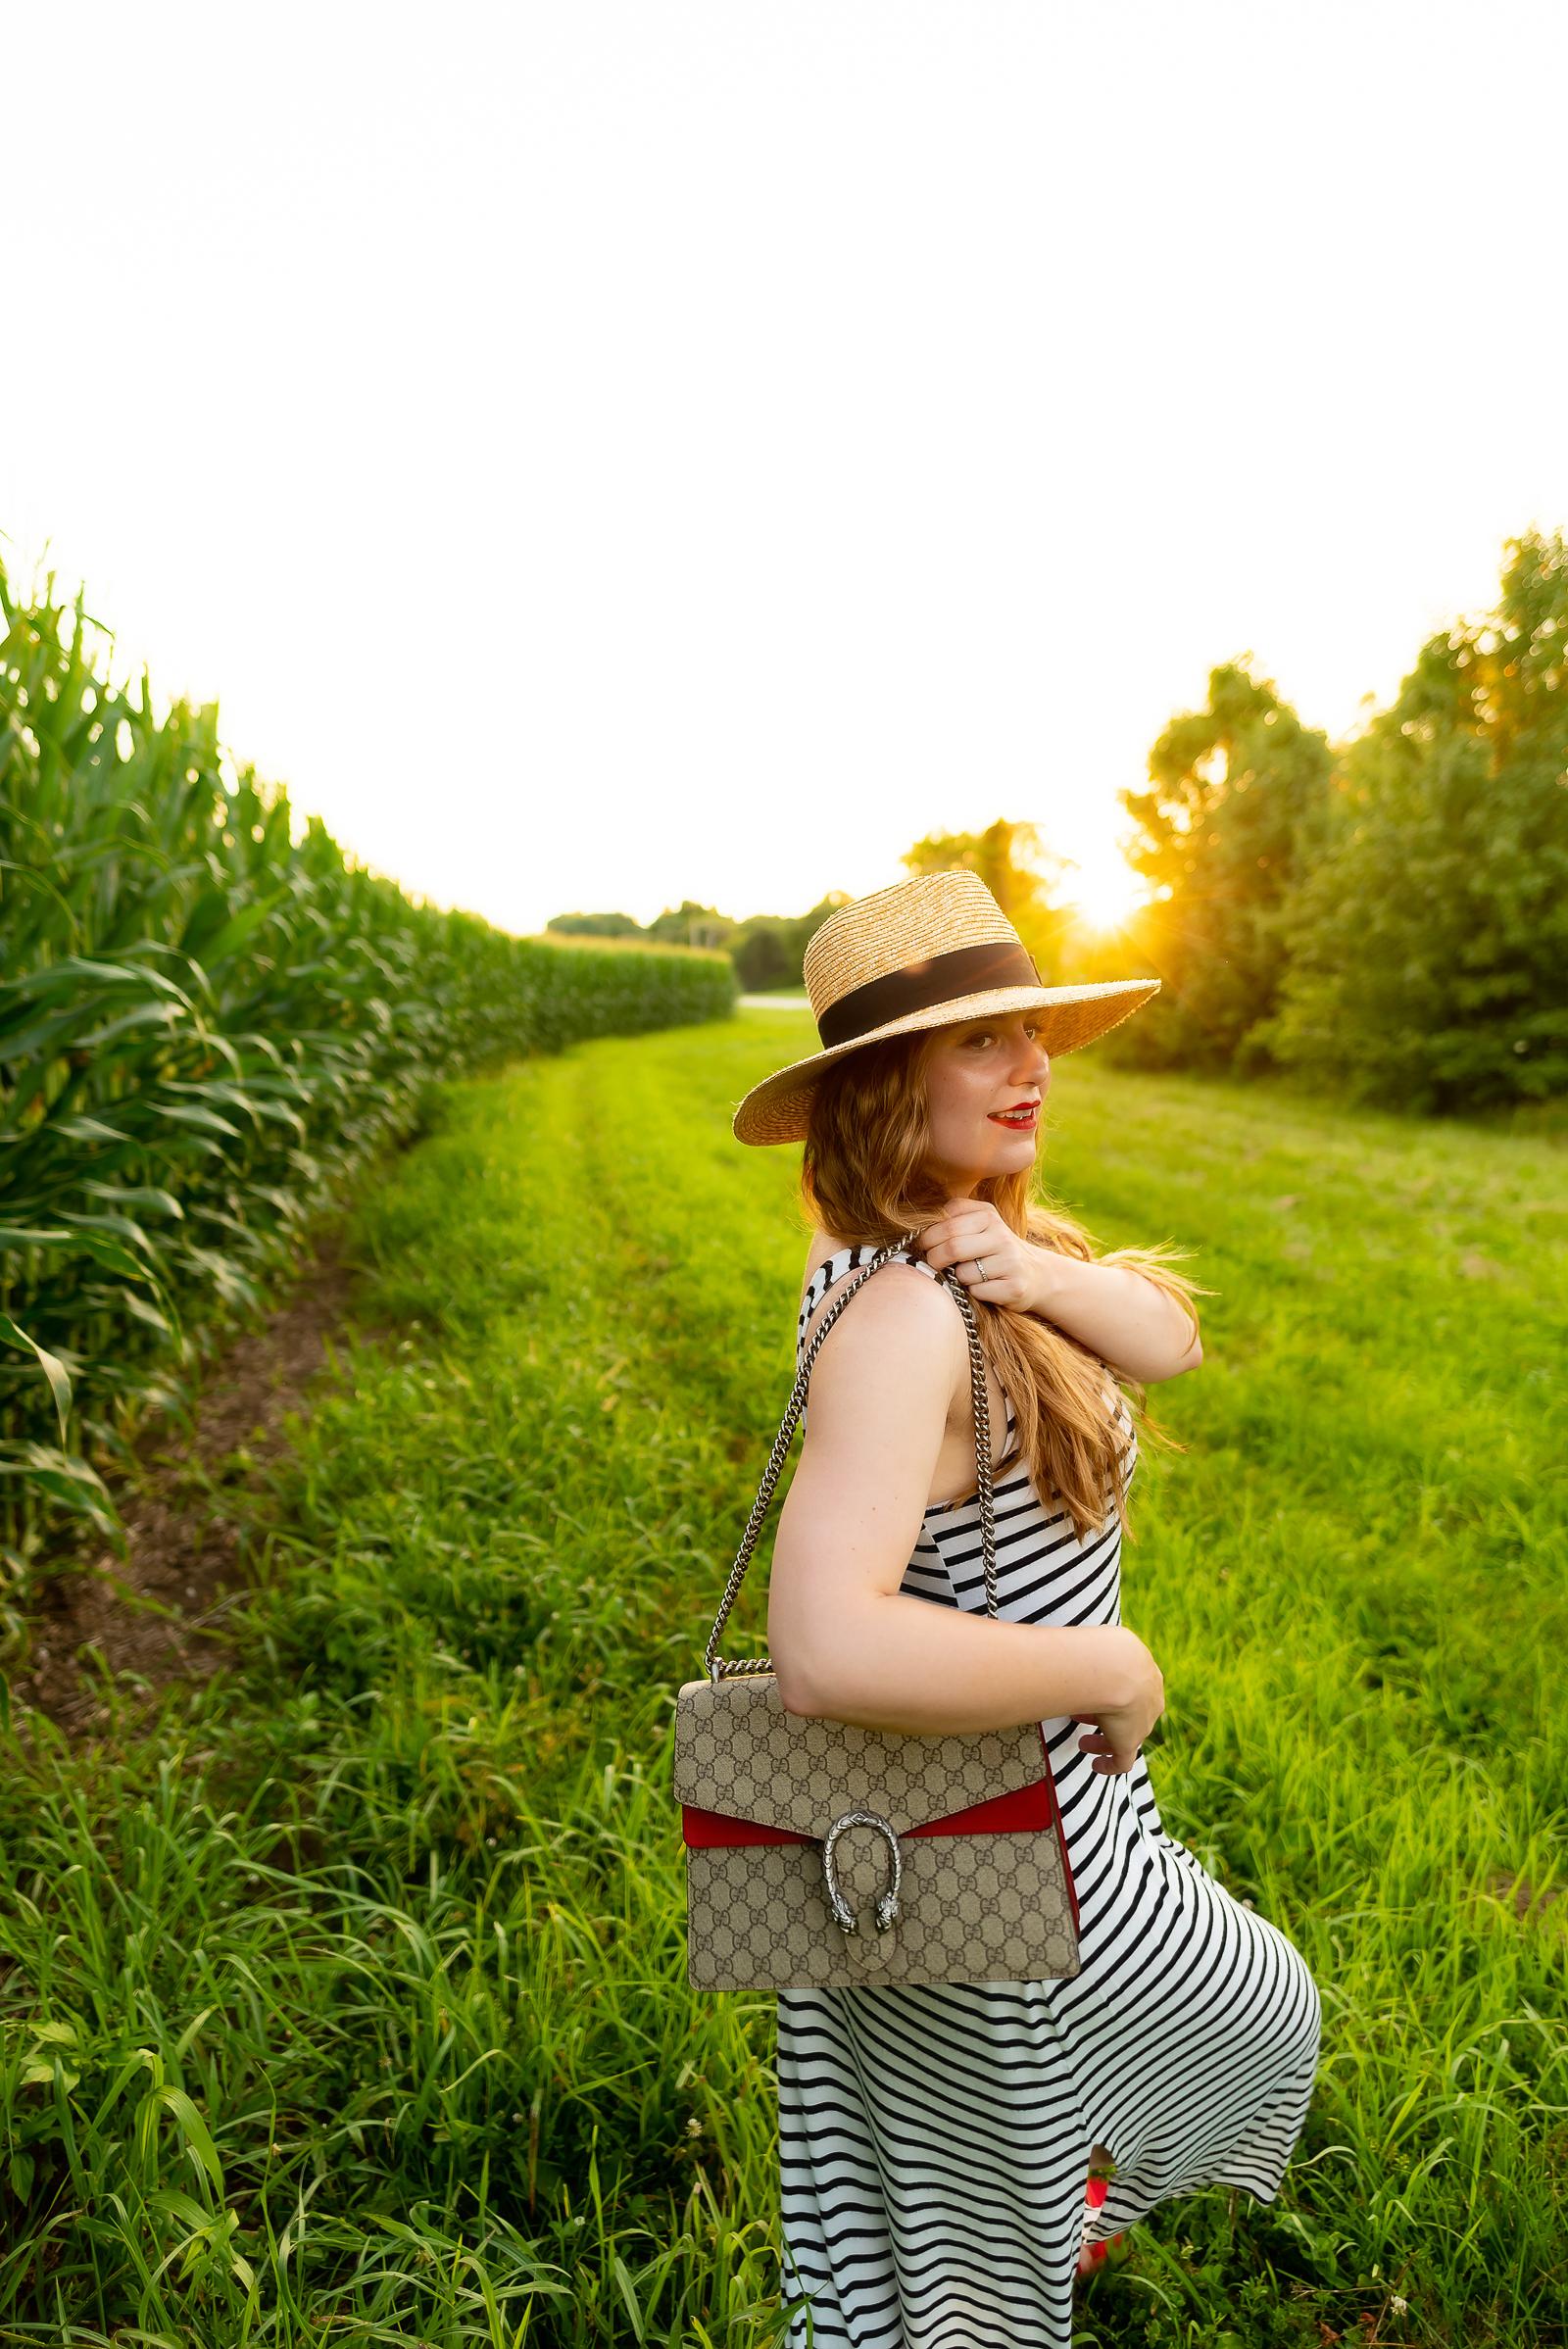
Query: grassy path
point(350, 2003)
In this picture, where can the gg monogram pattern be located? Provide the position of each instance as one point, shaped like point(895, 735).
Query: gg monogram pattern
point(738, 1752)
point(973, 1908)
point(986, 1908)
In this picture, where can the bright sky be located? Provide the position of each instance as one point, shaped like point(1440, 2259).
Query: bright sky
point(598, 455)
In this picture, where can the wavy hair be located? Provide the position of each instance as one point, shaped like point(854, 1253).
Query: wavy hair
point(865, 1178)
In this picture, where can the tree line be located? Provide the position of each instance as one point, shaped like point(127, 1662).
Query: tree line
point(1384, 916)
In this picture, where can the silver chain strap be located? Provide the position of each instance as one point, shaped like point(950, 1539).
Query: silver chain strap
point(717, 1665)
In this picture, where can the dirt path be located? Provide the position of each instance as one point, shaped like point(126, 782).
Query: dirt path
point(158, 1616)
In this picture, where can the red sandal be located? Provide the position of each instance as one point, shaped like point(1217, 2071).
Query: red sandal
point(1094, 2255)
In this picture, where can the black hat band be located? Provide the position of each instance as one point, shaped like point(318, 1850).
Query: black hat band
point(917, 986)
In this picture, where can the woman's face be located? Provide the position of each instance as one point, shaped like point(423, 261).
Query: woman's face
point(977, 1070)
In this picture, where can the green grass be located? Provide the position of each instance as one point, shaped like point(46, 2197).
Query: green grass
point(349, 2002)
point(205, 1028)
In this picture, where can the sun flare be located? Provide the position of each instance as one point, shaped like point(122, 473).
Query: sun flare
point(1106, 894)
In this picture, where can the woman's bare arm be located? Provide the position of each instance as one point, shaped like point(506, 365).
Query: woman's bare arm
point(1131, 1324)
point(846, 1644)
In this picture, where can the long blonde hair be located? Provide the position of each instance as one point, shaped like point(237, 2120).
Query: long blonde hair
point(865, 1178)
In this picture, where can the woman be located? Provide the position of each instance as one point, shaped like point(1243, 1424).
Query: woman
point(938, 2145)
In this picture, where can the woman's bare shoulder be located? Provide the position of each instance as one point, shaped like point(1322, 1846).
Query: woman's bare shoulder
point(898, 1281)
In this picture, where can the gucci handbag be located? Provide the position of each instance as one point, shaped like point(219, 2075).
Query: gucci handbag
point(820, 1853)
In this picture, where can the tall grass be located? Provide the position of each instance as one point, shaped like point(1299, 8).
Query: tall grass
point(204, 1026)
point(351, 2001)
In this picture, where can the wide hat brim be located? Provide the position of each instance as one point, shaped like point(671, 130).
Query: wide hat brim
point(779, 1109)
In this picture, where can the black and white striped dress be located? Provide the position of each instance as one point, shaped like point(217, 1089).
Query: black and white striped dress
point(934, 2141)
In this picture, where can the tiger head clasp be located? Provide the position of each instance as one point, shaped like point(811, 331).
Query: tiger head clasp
point(887, 1901)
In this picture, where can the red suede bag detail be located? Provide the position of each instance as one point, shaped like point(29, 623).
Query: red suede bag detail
point(1029, 1806)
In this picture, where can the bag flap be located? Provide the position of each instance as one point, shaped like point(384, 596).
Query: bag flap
point(738, 1752)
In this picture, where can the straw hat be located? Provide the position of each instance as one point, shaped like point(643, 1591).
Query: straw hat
point(924, 953)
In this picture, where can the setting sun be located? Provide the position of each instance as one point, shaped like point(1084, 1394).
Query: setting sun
point(1104, 893)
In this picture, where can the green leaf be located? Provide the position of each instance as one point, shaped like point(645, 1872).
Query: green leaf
point(191, 2125)
point(138, 1195)
point(85, 1129)
point(234, 932)
point(125, 1225)
point(140, 1310)
point(54, 1370)
point(187, 1114)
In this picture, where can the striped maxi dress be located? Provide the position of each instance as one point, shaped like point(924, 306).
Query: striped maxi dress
point(934, 2141)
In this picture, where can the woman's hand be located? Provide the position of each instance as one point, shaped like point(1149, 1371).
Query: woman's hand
point(1120, 1729)
point(990, 1259)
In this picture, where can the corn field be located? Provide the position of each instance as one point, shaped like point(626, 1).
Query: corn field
point(206, 1026)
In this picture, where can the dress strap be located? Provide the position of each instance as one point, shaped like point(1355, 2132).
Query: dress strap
point(850, 1260)
point(834, 1268)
